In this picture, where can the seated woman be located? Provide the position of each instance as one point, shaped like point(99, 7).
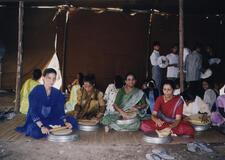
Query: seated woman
point(195, 109)
point(129, 103)
point(27, 88)
point(167, 114)
point(218, 116)
point(111, 92)
point(76, 85)
point(77, 81)
point(46, 107)
point(209, 93)
point(90, 103)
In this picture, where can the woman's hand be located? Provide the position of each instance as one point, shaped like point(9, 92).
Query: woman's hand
point(44, 130)
point(159, 122)
point(68, 125)
point(124, 115)
point(134, 109)
point(205, 118)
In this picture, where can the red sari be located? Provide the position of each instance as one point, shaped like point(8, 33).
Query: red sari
point(167, 111)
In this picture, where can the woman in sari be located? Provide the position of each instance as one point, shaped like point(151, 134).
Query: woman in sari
point(129, 103)
point(167, 114)
point(46, 108)
point(27, 88)
point(90, 103)
point(75, 86)
point(218, 115)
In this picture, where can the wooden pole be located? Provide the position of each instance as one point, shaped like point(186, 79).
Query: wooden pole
point(19, 55)
point(64, 50)
point(181, 44)
point(0, 73)
point(149, 42)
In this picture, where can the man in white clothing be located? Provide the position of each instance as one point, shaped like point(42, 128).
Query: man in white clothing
point(156, 70)
point(172, 69)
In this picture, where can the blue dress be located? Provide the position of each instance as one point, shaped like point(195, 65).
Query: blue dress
point(47, 109)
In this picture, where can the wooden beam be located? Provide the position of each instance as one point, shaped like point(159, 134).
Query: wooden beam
point(149, 43)
point(19, 55)
point(181, 43)
point(65, 37)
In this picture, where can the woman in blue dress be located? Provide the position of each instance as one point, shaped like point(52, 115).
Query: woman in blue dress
point(46, 107)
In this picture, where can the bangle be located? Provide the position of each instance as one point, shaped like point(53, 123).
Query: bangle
point(41, 126)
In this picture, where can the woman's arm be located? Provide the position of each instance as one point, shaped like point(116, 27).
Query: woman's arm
point(176, 122)
point(158, 121)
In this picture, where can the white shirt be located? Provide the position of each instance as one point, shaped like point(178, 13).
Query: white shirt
point(172, 72)
point(109, 97)
point(187, 51)
point(210, 97)
point(197, 106)
point(154, 57)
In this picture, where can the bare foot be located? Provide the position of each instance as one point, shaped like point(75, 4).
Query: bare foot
point(107, 129)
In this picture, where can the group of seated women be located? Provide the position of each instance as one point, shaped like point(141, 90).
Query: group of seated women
point(121, 101)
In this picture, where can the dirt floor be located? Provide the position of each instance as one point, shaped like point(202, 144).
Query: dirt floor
point(96, 146)
point(32, 150)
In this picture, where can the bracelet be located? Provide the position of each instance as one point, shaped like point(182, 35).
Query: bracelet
point(41, 126)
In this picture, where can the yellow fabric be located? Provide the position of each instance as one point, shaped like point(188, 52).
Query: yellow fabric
point(73, 98)
point(24, 93)
point(89, 106)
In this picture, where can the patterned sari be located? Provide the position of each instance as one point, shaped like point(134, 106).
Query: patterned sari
point(126, 101)
point(89, 106)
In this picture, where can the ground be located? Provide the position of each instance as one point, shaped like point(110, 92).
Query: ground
point(97, 145)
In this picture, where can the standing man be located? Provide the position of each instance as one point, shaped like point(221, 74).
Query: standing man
point(156, 70)
point(172, 69)
point(193, 65)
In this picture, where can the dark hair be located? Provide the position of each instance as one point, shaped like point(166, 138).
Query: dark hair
point(81, 79)
point(151, 83)
point(209, 81)
point(90, 78)
point(119, 82)
point(130, 74)
point(48, 71)
point(197, 45)
point(188, 95)
point(169, 82)
point(36, 74)
point(156, 43)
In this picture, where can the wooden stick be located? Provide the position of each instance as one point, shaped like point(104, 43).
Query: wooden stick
point(19, 55)
point(181, 44)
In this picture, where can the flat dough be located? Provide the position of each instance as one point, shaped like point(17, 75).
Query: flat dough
point(87, 122)
point(62, 132)
point(197, 120)
point(164, 132)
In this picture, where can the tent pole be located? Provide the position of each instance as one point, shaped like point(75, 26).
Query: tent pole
point(181, 43)
point(19, 55)
point(64, 50)
point(149, 42)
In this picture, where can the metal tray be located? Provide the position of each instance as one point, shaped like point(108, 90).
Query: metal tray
point(63, 138)
point(201, 128)
point(154, 139)
point(89, 128)
point(126, 121)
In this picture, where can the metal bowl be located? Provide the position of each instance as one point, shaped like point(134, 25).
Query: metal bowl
point(63, 138)
point(201, 128)
point(155, 139)
point(89, 128)
point(126, 121)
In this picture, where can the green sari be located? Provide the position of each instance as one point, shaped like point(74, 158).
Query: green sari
point(126, 101)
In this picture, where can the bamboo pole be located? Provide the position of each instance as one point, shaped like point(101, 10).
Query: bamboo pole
point(19, 55)
point(64, 50)
point(149, 42)
point(181, 44)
